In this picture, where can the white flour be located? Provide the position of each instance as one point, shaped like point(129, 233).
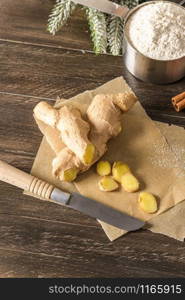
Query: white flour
point(158, 30)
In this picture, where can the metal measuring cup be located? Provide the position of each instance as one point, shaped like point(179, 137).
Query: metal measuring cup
point(149, 69)
point(139, 65)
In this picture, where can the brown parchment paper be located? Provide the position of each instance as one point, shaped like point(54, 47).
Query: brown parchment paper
point(141, 145)
point(172, 222)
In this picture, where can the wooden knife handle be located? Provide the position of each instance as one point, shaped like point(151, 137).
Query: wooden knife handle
point(25, 181)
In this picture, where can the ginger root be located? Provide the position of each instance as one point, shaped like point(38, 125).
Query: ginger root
point(73, 129)
point(85, 141)
point(119, 169)
point(108, 184)
point(105, 112)
point(103, 168)
point(130, 183)
point(147, 202)
point(74, 133)
point(46, 113)
point(62, 168)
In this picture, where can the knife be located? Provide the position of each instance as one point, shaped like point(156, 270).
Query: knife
point(105, 6)
point(76, 201)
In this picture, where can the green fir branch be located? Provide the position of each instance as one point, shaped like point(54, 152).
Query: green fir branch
point(130, 3)
point(115, 28)
point(106, 31)
point(98, 28)
point(115, 35)
point(59, 15)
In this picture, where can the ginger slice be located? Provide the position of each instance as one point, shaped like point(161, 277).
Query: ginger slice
point(89, 154)
point(108, 184)
point(70, 174)
point(103, 168)
point(147, 202)
point(119, 169)
point(130, 183)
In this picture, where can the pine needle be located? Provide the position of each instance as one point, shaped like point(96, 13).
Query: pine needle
point(130, 3)
point(115, 35)
point(59, 15)
point(115, 28)
point(98, 27)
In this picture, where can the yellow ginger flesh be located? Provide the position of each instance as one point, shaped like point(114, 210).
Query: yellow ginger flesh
point(89, 154)
point(147, 202)
point(130, 183)
point(108, 184)
point(103, 168)
point(70, 174)
point(119, 169)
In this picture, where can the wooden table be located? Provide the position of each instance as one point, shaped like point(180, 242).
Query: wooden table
point(39, 239)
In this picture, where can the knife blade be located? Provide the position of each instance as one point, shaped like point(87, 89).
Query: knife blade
point(97, 210)
point(105, 6)
point(46, 191)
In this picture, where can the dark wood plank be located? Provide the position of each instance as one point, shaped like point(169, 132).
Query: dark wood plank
point(17, 112)
point(26, 21)
point(13, 202)
point(77, 251)
point(46, 72)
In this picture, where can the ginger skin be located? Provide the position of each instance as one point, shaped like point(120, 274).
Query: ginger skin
point(61, 167)
point(88, 142)
point(74, 133)
point(46, 113)
point(73, 129)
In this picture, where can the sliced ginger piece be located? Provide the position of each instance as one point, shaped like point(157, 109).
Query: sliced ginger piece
point(103, 168)
point(89, 154)
point(130, 183)
point(119, 169)
point(147, 202)
point(108, 184)
point(70, 174)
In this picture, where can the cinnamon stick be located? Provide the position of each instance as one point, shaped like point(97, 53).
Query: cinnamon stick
point(180, 105)
point(178, 101)
point(178, 98)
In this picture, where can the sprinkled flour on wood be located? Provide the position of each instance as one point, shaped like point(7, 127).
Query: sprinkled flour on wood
point(159, 156)
point(158, 30)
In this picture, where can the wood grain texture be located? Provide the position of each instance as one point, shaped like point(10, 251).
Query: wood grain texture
point(83, 252)
point(38, 238)
point(45, 72)
point(26, 22)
